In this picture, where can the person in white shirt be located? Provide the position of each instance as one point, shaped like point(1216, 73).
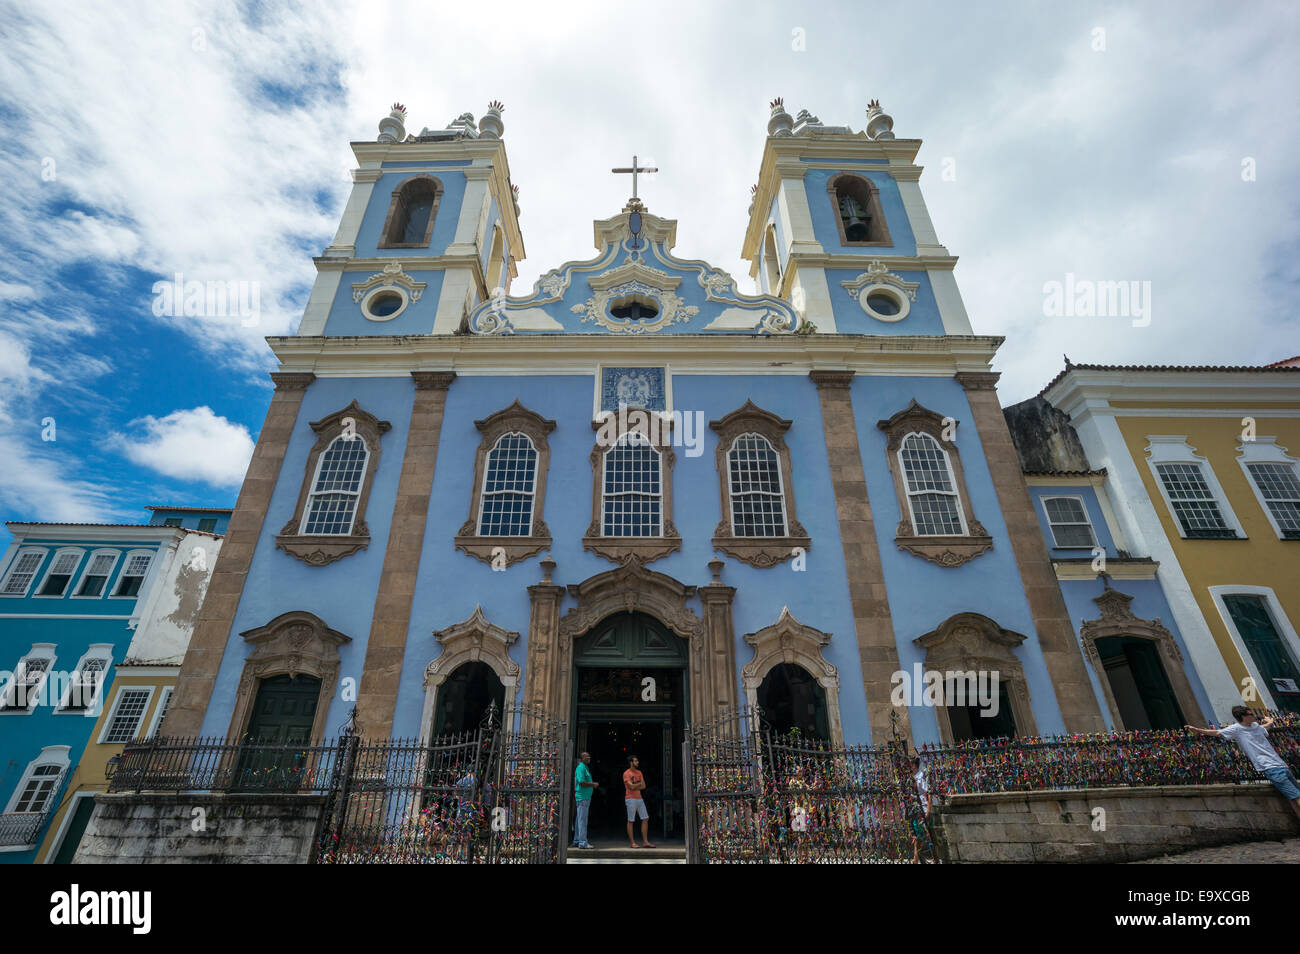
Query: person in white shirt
point(1252, 736)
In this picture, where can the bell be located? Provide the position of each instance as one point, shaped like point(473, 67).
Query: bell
point(856, 229)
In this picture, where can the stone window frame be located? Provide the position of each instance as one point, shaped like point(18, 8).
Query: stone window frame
point(32, 695)
point(398, 205)
point(654, 427)
point(318, 549)
point(1177, 449)
point(790, 641)
point(761, 552)
point(292, 644)
point(874, 208)
point(1117, 619)
point(970, 641)
point(515, 419)
point(473, 640)
point(120, 693)
point(943, 550)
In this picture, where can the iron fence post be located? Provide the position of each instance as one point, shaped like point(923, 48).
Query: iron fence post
point(688, 801)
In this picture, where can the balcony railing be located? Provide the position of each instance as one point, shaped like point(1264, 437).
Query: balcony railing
point(20, 828)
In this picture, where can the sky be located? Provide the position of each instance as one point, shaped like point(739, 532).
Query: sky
point(1154, 144)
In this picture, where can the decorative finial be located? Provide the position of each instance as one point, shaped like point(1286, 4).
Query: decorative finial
point(715, 567)
point(392, 128)
point(491, 126)
point(779, 123)
point(1068, 365)
point(548, 567)
point(880, 124)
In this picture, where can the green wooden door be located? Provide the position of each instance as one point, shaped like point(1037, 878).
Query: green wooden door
point(283, 713)
point(1264, 643)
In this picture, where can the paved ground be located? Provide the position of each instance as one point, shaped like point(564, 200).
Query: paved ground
point(1286, 852)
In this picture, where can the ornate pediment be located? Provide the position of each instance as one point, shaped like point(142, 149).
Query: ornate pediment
point(391, 275)
point(474, 640)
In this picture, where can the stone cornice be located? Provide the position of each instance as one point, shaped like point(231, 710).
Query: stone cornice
point(408, 262)
point(397, 356)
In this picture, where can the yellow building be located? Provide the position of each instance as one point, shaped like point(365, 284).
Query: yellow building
point(137, 701)
point(1204, 466)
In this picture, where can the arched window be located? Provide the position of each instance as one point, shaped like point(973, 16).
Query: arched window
point(464, 698)
point(21, 572)
point(632, 504)
point(757, 500)
point(632, 488)
point(505, 522)
point(329, 519)
point(59, 575)
point(758, 524)
point(931, 491)
point(412, 213)
point(858, 214)
point(508, 486)
point(791, 698)
point(332, 507)
point(936, 521)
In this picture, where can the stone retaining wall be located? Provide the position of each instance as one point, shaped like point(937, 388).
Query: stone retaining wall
point(234, 829)
point(1134, 823)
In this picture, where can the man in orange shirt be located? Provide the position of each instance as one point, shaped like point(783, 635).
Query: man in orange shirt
point(633, 786)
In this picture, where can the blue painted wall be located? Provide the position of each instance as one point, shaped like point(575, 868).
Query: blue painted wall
point(29, 619)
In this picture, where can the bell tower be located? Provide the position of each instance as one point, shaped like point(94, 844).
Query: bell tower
point(430, 229)
point(830, 204)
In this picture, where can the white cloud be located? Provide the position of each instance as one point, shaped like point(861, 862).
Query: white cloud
point(193, 444)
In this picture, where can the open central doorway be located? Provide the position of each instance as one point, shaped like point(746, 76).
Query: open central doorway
point(631, 698)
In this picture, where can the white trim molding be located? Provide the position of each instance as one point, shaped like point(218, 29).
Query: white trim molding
point(13, 568)
point(1284, 629)
point(118, 695)
point(50, 755)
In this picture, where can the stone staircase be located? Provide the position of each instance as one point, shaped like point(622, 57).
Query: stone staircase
point(615, 854)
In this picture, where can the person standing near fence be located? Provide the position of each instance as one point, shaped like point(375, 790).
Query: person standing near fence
point(1251, 736)
point(583, 788)
point(920, 832)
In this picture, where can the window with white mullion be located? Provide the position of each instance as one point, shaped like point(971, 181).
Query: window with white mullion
point(931, 488)
point(1279, 489)
point(509, 487)
point(1068, 519)
point(38, 790)
point(128, 713)
point(133, 574)
point(60, 574)
point(95, 579)
point(161, 712)
point(1193, 502)
point(24, 688)
point(86, 682)
point(23, 571)
point(332, 505)
point(757, 497)
point(632, 501)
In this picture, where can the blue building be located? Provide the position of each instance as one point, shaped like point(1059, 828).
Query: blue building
point(635, 495)
point(73, 598)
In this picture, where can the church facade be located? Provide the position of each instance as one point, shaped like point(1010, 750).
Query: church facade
point(634, 495)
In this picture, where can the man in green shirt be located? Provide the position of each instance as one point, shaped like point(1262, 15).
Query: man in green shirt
point(583, 787)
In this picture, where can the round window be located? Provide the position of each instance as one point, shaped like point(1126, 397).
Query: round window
point(383, 304)
point(883, 303)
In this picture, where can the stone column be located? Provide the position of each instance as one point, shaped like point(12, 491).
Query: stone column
point(1061, 653)
point(719, 691)
point(877, 649)
point(377, 695)
point(545, 673)
point(212, 629)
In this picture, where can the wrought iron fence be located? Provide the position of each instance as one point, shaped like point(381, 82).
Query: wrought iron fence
point(1115, 759)
point(18, 829)
point(754, 797)
point(496, 794)
point(528, 802)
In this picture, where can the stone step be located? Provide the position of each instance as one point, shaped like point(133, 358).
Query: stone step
point(669, 854)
